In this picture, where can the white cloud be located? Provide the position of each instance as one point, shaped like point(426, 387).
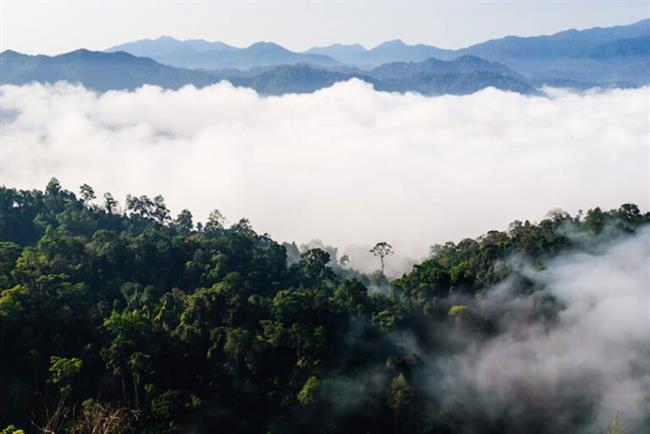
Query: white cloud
point(345, 164)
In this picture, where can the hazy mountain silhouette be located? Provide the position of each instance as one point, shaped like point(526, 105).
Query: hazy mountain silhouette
point(118, 70)
point(615, 56)
point(96, 70)
point(347, 54)
point(390, 51)
point(463, 64)
point(217, 55)
point(565, 44)
point(601, 56)
point(604, 55)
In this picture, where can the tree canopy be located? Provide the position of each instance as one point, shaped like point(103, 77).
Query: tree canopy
point(118, 320)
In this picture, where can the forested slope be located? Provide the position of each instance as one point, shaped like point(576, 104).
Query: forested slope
point(129, 320)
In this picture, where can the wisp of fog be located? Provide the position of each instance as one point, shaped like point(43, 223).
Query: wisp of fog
point(566, 357)
point(347, 164)
point(594, 355)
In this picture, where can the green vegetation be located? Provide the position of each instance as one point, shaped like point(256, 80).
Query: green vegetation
point(132, 321)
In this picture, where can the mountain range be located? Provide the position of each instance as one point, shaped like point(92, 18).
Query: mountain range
point(119, 70)
point(217, 55)
point(614, 56)
point(591, 54)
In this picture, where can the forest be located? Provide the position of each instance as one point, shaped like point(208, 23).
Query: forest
point(120, 318)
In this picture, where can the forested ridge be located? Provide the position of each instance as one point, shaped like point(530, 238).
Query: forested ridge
point(117, 319)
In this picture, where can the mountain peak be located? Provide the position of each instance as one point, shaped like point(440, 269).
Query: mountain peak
point(356, 46)
point(84, 53)
point(265, 44)
point(338, 45)
point(394, 43)
point(267, 47)
point(12, 53)
point(80, 52)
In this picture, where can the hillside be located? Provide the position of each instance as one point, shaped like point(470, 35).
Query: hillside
point(96, 70)
point(463, 64)
point(598, 54)
point(146, 323)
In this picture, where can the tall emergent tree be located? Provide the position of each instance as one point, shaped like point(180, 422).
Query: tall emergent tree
point(382, 249)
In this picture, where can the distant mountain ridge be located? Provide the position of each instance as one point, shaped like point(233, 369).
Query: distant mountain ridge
point(639, 46)
point(104, 71)
point(598, 54)
point(387, 52)
point(463, 64)
point(96, 70)
point(570, 54)
point(167, 44)
point(600, 57)
point(565, 44)
point(217, 55)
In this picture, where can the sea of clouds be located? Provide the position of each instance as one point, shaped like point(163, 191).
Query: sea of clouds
point(347, 164)
point(352, 166)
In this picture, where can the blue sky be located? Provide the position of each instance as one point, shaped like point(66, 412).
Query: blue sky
point(58, 26)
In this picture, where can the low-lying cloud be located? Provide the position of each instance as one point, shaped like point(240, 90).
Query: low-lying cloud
point(346, 164)
point(567, 357)
point(571, 373)
point(558, 349)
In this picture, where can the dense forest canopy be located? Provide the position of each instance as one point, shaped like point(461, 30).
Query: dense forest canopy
point(116, 320)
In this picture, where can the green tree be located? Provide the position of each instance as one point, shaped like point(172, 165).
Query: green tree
point(87, 193)
point(401, 395)
point(183, 223)
point(382, 250)
point(308, 393)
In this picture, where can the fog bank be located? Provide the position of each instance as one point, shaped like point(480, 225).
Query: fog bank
point(346, 164)
point(573, 372)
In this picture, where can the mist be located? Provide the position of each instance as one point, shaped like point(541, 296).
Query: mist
point(566, 351)
point(572, 372)
point(347, 164)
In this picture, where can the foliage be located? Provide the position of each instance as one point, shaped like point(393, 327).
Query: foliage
point(457, 309)
point(307, 394)
point(12, 430)
point(126, 320)
point(615, 428)
point(62, 370)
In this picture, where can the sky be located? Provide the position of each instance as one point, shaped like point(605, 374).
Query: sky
point(53, 27)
